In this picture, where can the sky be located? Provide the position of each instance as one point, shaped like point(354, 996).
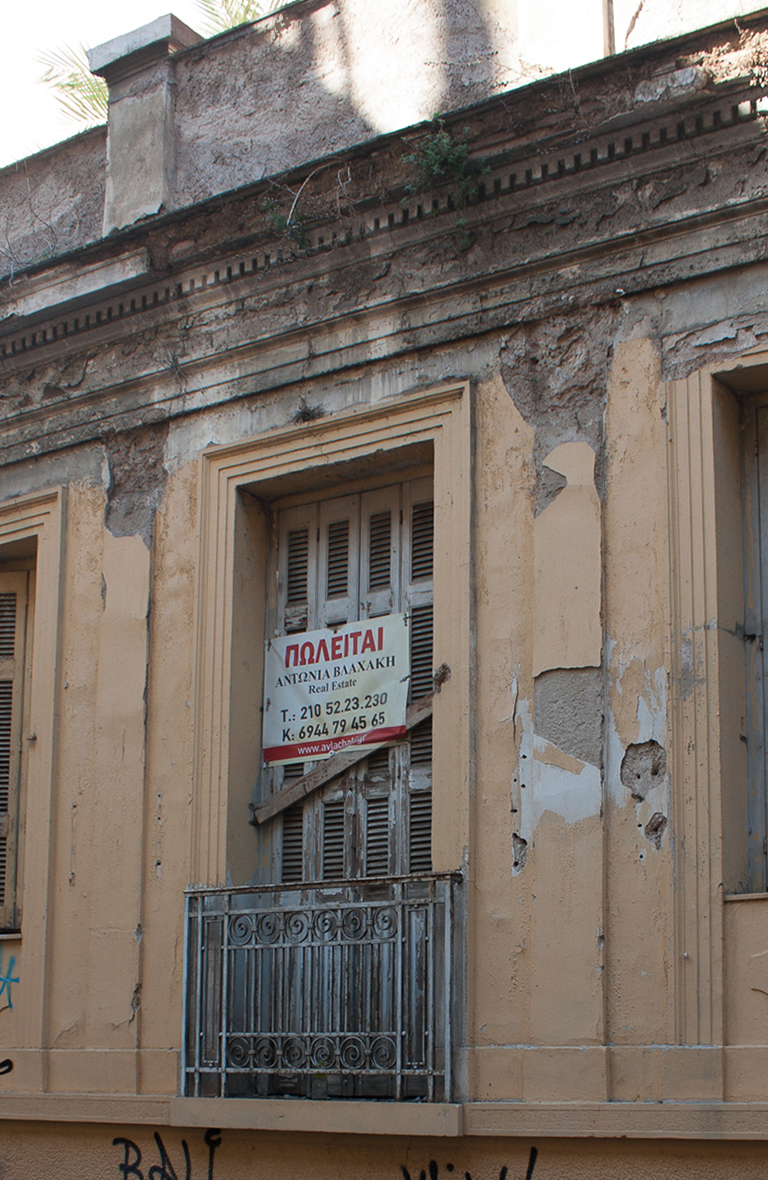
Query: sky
point(30, 118)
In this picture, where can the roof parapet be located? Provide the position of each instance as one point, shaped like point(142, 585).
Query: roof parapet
point(141, 123)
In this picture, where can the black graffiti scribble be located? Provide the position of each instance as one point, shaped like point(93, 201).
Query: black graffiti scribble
point(6, 1066)
point(162, 1171)
point(129, 1167)
point(212, 1139)
point(432, 1169)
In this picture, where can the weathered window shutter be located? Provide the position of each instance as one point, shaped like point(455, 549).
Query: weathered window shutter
point(420, 521)
point(293, 843)
point(297, 564)
point(341, 559)
point(338, 557)
point(420, 834)
point(377, 820)
point(13, 620)
point(380, 552)
point(333, 839)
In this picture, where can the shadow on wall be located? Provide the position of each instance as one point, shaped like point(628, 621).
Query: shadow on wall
point(325, 75)
point(317, 78)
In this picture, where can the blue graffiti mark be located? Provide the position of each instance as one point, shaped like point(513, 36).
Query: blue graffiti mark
point(7, 979)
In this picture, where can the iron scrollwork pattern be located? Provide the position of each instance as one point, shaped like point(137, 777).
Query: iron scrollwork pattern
point(344, 985)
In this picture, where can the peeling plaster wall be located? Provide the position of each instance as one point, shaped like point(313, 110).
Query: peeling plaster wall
point(53, 202)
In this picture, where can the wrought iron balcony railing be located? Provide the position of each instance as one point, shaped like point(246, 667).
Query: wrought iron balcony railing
point(332, 989)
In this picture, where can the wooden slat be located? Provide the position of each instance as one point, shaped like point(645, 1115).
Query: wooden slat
point(334, 766)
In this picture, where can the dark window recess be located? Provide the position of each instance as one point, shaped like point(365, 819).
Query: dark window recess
point(298, 565)
point(378, 763)
point(421, 651)
point(420, 850)
point(377, 837)
point(333, 839)
point(7, 625)
point(422, 541)
point(338, 558)
point(421, 743)
point(6, 702)
point(293, 843)
point(380, 555)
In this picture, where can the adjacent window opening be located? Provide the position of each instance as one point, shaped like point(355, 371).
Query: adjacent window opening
point(15, 661)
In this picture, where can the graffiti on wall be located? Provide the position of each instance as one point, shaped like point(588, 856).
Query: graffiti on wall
point(432, 1171)
point(133, 1164)
point(6, 979)
point(161, 1166)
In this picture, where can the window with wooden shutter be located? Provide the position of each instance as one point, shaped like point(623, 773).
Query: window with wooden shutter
point(13, 644)
point(338, 560)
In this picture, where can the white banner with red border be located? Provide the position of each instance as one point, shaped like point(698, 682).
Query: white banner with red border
point(328, 690)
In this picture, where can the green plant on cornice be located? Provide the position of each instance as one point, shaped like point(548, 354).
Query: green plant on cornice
point(286, 225)
point(442, 160)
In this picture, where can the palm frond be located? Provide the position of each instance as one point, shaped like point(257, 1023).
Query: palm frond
point(220, 15)
point(82, 97)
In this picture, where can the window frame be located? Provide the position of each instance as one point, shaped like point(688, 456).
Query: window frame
point(707, 681)
point(271, 466)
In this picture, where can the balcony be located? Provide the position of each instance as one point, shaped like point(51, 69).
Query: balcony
point(325, 990)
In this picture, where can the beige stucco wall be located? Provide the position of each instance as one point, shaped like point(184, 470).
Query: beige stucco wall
point(570, 906)
point(90, 1153)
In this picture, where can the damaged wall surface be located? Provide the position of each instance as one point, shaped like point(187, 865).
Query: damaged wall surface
point(537, 323)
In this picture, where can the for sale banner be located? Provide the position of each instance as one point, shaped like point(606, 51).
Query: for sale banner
point(327, 690)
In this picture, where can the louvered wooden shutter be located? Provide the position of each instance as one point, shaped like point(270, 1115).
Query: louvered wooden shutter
point(13, 613)
point(338, 556)
point(420, 833)
point(380, 552)
point(419, 592)
point(333, 839)
point(377, 809)
point(341, 559)
point(297, 566)
point(293, 843)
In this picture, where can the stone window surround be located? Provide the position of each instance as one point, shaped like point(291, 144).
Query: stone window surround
point(39, 516)
point(437, 417)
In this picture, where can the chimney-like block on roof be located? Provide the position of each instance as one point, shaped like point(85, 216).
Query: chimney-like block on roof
point(140, 136)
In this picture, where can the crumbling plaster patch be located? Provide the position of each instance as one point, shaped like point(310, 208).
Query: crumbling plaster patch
point(549, 780)
point(556, 372)
point(137, 479)
point(568, 706)
point(724, 321)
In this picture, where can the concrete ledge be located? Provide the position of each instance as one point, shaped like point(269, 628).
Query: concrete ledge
point(86, 1108)
point(67, 285)
point(340, 1117)
point(167, 33)
point(599, 1120)
point(619, 1120)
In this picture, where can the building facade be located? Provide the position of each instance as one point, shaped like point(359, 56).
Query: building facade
point(280, 352)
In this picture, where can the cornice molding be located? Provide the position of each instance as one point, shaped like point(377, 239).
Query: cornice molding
point(516, 182)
